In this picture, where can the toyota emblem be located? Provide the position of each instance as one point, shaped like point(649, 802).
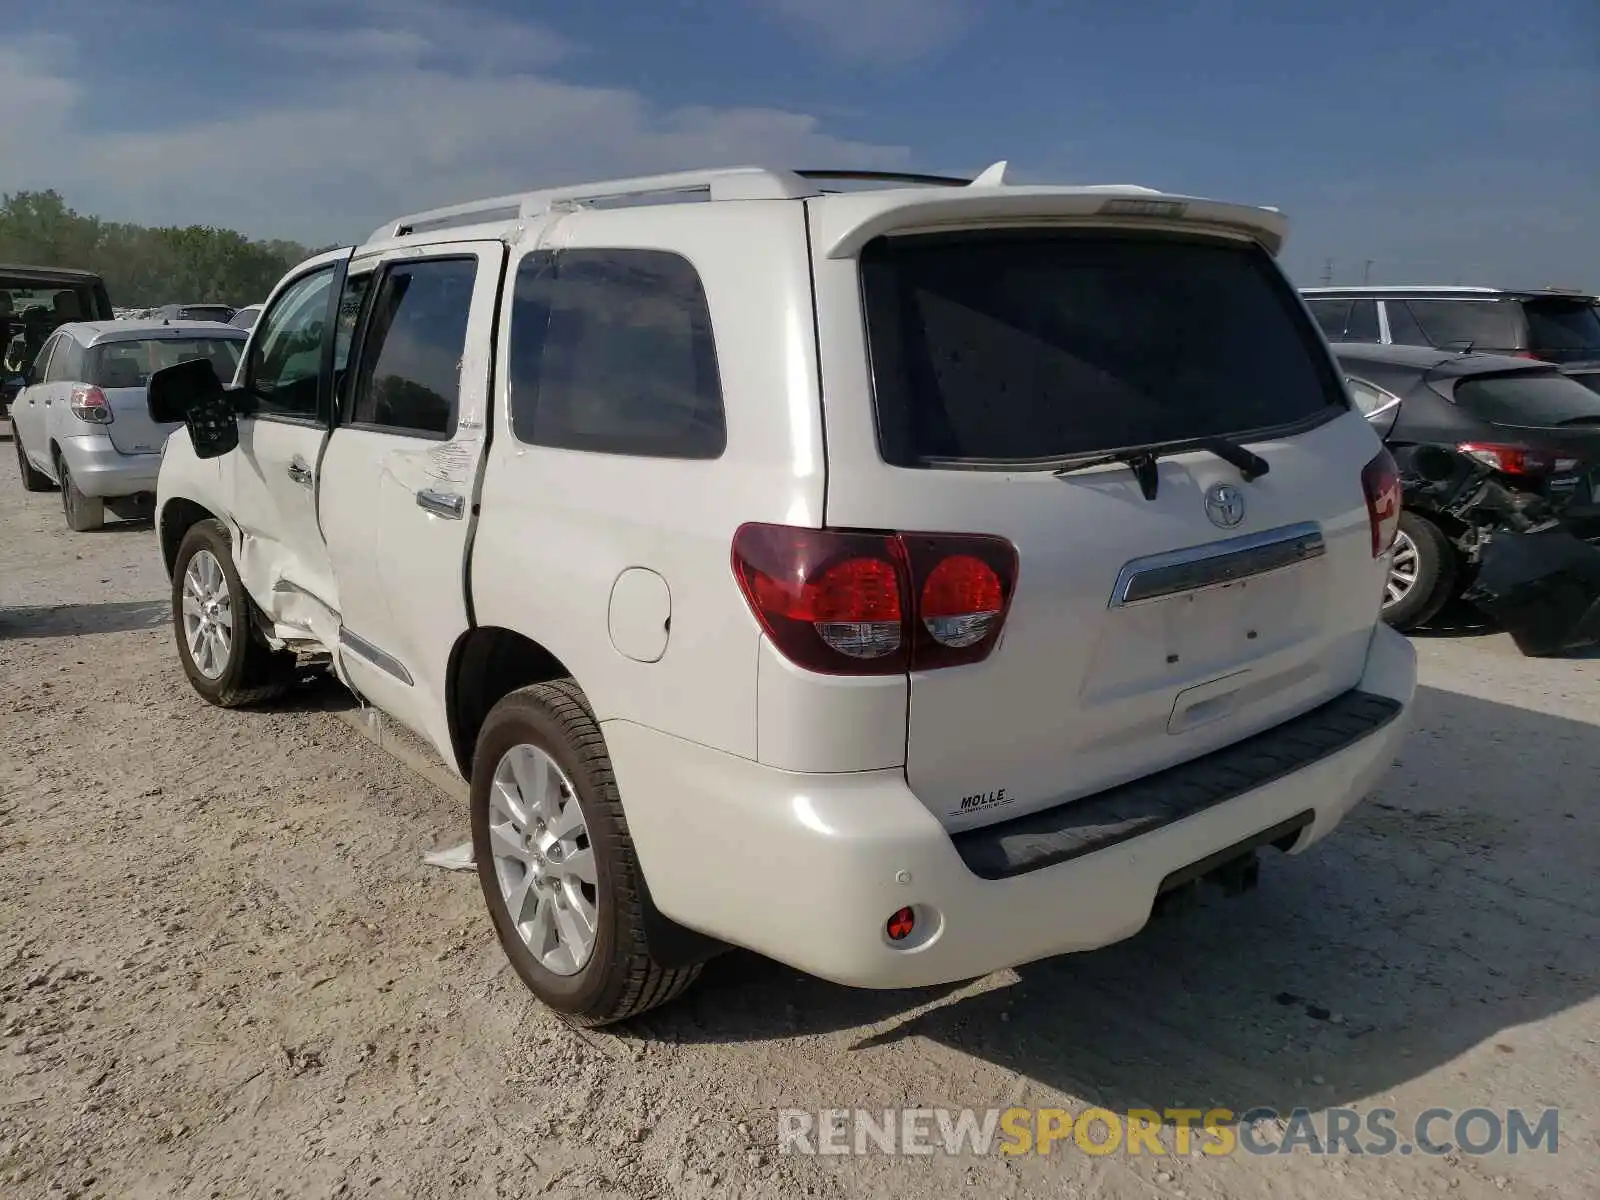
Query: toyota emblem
point(1224, 505)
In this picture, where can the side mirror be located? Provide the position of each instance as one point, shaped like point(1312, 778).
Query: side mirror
point(191, 392)
point(1434, 464)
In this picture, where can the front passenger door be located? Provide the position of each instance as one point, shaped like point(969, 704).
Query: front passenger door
point(280, 554)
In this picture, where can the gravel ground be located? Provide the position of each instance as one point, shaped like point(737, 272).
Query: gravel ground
point(224, 971)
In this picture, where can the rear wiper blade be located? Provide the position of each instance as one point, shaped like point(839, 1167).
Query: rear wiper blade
point(1141, 461)
point(1251, 465)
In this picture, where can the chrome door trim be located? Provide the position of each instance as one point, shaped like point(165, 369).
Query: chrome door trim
point(366, 651)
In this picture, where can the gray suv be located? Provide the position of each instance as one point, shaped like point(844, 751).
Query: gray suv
point(1553, 326)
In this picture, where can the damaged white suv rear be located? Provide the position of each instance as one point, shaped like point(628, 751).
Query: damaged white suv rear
point(903, 582)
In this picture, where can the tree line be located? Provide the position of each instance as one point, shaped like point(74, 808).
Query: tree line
point(144, 266)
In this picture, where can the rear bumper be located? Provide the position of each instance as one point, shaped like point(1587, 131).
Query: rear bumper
point(806, 869)
point(101, 470)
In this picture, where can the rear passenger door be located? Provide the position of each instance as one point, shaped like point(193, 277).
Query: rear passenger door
point(401, 468)
point(31, 408)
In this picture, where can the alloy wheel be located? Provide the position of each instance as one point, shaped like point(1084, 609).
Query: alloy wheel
point(543, 860)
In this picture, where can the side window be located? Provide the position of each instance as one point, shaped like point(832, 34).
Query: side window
point(409, 375)
point(356, 288)
point(1331, 315)
point(1368, 397)
point(1362, 325)
point(627, 362)
point(68, 365)
point(44, 362)
point(1403, 327)
point(286, 354)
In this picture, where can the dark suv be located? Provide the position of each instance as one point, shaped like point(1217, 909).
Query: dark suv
point(1555, 327)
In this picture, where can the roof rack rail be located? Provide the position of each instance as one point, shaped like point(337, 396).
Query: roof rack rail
point(728, 183)
point(887, 177)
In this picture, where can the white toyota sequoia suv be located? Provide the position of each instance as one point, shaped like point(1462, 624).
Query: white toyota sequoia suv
point(898, 576)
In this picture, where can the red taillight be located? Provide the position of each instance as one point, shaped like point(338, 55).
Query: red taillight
point(847, 603)
point(1380, 482)
point(1516, 460)
point(89, 404)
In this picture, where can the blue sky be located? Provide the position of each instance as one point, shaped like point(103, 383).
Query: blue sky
point(1462, 146)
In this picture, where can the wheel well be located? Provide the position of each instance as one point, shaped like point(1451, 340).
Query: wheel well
point(487, 664)
point(177, 518)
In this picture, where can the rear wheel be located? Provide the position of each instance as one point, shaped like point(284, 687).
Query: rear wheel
point(84, 514)
point(223, 654)
point(556, 863)
point(33, 479)
point(1422, 573)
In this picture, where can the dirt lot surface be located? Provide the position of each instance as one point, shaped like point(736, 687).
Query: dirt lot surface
point(225, 972)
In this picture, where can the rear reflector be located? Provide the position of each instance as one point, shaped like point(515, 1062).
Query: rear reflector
point(1380, 482)
point(842, 602)
point(900, 925)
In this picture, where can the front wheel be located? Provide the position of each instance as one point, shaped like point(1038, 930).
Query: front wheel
point(1422, 574)
point(556, 863)
point(223, 655)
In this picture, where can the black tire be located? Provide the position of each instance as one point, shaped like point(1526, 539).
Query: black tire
point(620, 979)
point(1437, 572)
point(84, 514)
point(254, 672)
point(33, 479)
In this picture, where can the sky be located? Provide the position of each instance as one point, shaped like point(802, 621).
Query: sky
point(1407, 143)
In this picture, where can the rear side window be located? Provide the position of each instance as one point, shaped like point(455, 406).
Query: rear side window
point(1332, 315)
point(1000, 348)
point(129, 364)
point(1403, 327)
point(612, 352)
point(1528, 399)
point(409, 378)
point(1460, 324)
point(61, 361)
point(1363, 323)
point(1564, 325)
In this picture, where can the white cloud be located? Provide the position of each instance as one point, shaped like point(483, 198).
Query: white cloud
point(886, 32)
point(393, 130)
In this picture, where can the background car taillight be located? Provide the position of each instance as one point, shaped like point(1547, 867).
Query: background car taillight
point(1516, 460)
point(1380, 482)
point(841, 602)
point(89, 404)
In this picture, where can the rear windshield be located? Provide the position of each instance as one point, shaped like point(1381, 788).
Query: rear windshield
point(1564, 325)
point(1468, 324)
point(131, 363)
point(1006, 347)
point(1528, 399)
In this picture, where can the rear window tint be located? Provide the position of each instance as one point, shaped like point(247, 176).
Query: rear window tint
point(125, 364)
point(1528, 399)
point(1480, 324)
point(1563, 325)
point(1007, 347)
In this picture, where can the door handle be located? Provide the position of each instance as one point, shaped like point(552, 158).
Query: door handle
point(300, 473)
point(444, 504)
